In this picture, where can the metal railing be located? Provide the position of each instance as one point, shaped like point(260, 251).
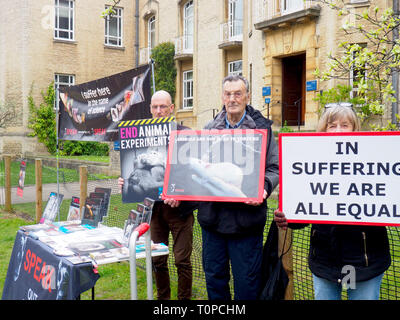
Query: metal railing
point(231, 31)
point(269, 9)
point(184, 44)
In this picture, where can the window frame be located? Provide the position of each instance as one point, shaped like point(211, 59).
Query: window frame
point(71, 21)
point(230, 66)
point(188, 20)
point(151, 32)
point(119, 38)
point(187, 84)
point(62, 84)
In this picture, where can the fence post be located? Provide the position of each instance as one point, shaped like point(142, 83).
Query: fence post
point(83, 181)
point(7, 182)
point(39, 189)
point(287, 259)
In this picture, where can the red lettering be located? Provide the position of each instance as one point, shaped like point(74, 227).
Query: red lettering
point(99, 131)
point(26, 263)
point(47, 279)
point(42, 272)
point(32, 262)
point(71, 131)
point(38, 261)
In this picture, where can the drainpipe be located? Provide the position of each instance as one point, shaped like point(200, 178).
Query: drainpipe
point(137, 33)
point(395, 73)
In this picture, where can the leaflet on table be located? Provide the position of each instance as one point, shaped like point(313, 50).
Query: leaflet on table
point(74, 212)
point(52, 207)
point(142, 214)
point(103, 252)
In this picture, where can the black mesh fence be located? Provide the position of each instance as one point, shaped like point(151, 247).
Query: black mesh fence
point(68, 185)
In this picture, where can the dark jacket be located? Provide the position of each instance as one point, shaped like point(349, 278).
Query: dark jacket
point(332, 247)
point(239, 218)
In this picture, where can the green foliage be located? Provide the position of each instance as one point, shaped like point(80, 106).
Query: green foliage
point(164, 67)
point(340, 93)
point(371, 60)
point(42, 121)
point(76, 148)
point(285, 128)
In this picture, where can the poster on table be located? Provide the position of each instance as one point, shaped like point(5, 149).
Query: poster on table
point(143, 155)
point(74, 212)
point(92, 111)
point(340, 178)
point(216, 165)
point(52, 208)
point(21, 179)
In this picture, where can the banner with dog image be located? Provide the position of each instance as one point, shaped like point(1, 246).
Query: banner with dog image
point(92, 111)
point(143, 155)
point(216, 165)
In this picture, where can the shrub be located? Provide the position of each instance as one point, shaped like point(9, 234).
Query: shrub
point(164, 68)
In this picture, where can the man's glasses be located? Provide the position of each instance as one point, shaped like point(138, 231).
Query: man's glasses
point(162, 107)
point(339, 104)
point(236, 94)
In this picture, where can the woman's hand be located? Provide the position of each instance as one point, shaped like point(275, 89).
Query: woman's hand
point(280, 219)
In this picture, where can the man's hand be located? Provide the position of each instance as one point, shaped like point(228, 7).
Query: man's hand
point(120, 184)
point(172, 202)
point(257, 203)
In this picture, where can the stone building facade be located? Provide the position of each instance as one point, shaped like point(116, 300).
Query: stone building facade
point(62, 41)
point(276, 44)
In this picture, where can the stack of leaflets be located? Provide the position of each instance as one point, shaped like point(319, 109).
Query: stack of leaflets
point(83, 243)
point(142, 214)
point(52, 207)
point(74, 210)
point(96, 206)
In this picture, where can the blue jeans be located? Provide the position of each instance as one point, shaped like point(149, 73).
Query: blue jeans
point(245, 256)
point(364, 290)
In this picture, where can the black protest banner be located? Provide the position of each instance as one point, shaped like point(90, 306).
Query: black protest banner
point(91, 111)
point(143, 155)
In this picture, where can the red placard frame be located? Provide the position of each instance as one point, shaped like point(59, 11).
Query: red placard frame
point(261, 171)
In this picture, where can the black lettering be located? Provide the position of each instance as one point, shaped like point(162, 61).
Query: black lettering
point(357, 213)
point(297, 166)
point(339, 208)
point(384, 211)
point(349, 147)
point(373, 209)
point(353, 189)
point(339, 144)
point(301, 209)
point(318, 188)
point(396, 168)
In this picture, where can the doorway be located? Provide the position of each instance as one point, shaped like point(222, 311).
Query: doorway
point(293, 90)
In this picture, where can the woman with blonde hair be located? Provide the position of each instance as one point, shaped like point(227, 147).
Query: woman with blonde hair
point(337, 249)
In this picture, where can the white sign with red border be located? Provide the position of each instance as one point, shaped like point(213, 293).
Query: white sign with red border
point(340, 178)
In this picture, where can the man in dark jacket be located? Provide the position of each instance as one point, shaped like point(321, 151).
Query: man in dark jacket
point(165, 220)
point(233, 232)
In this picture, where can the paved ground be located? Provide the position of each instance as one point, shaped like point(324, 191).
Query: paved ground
point(67, 189)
